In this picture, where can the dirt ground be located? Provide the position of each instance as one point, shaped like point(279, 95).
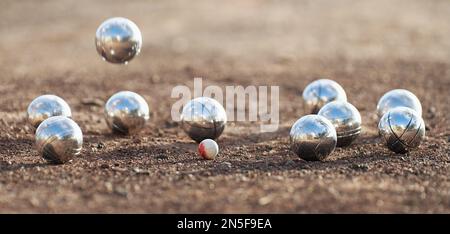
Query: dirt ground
point(369, 47)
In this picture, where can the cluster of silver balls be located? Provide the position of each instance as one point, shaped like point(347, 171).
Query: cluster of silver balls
point(59, 139)
point(118, 40)
point(332, 121)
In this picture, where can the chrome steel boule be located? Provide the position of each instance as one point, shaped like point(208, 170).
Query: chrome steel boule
point(126, 112)
point(398, 98)
point(345, 119)
point(313, 137)
point(203, 118)
point(46, 106)
point(59, 139)
point(320, 92)
point(208, 149)
point(402, 128)
point(118, 40)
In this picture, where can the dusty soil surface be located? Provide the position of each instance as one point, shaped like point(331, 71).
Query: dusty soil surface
point(369, 47)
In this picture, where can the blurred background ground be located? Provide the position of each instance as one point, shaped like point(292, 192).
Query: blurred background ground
point(369, 47)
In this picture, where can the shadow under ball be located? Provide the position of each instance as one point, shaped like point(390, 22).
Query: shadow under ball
point(402, 129)
point(118, 40)
point(45, 106)
point(320, 92)
point(398, 98)
point(203, 118)
point(313, 137)
point(126, 112)
point(346, 120)
point(59, 139)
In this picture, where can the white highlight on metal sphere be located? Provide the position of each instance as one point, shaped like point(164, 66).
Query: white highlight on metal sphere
point(203, 118)
point(313, 137)
point(346, 120)
point(46, 106)
point(398, 98)
point(118, 40)
point(402, 129)
point(320, 92)
point(126, 112)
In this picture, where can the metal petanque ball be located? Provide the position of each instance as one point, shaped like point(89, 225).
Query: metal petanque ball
point(203, 118)
point(398, 98)
point(320, 92)
point(126, 112)
point(46, 106)
point(59, 139)
point(118, 40)
point(313, 137)
point(346, 120)
point(402, 128)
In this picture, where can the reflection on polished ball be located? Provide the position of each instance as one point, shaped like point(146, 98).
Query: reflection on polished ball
point(59, 139)
point(126, 112)
point(346, 120)
point(398, 98)
point(402, 128)
point(46, 106)
point(203, 118)
point(320, 92)
point(118, 40)
point(313, 137)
